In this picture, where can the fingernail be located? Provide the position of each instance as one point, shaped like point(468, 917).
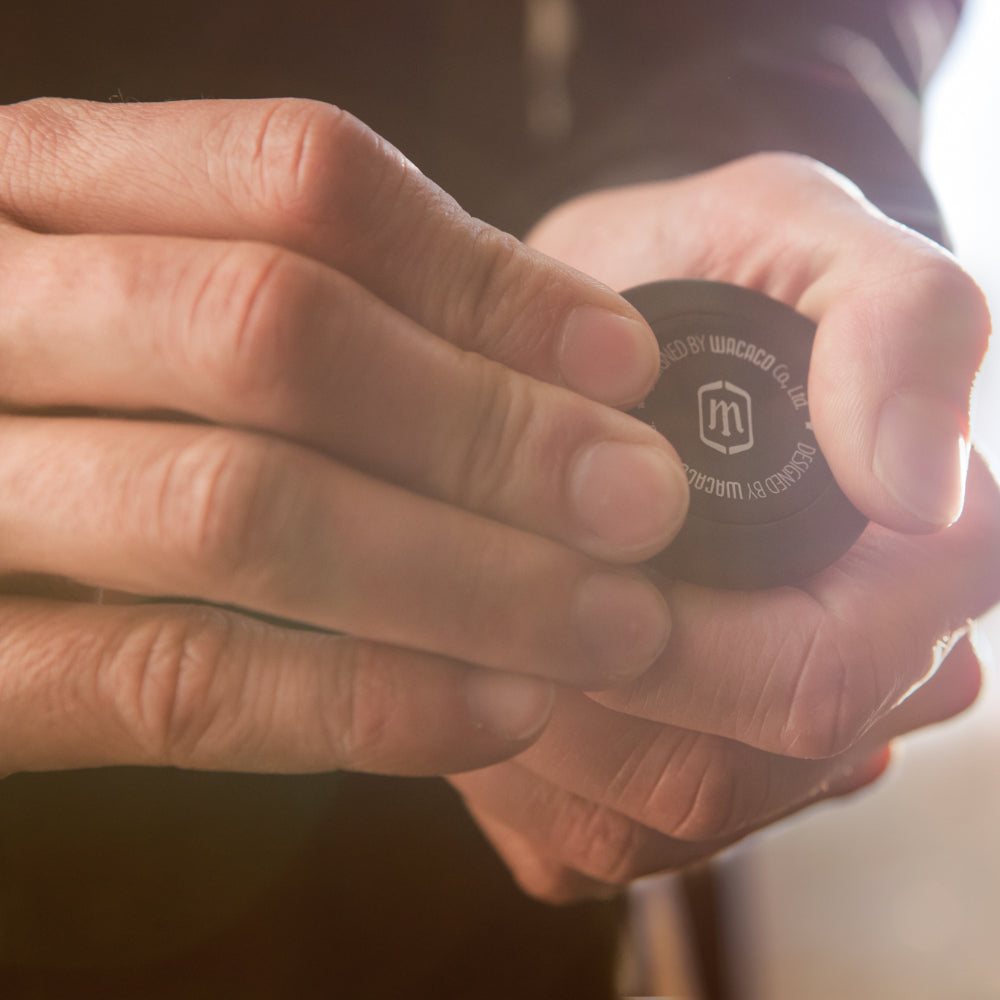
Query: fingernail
point(510, 706)
point(921, 457)
point(630, 496)
point(623, 624)
point(608, 357)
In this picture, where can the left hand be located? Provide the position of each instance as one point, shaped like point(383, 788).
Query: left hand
point(320, 394)
point(765, 702)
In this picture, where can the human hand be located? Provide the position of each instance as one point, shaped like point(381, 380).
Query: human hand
point(766, 702)
point(253, 357)
point(902, 329)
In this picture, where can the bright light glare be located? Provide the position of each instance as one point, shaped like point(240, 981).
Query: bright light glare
point(962, 159)
point(962, 154)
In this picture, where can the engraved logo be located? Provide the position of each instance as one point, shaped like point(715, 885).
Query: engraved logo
point(725, 417)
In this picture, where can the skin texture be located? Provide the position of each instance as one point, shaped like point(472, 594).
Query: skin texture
point(257, 359)
point(763, 702)
point(254, 360)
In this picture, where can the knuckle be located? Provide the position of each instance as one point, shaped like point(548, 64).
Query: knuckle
point(306, 167)
point(789, 163)
point(794, 184)
point(246, 317)
point(29, 138)
point(552, 883)
point(777, 168)
point(166, 685)
point(293, 171)
point(482, 606)
point(705, 795)
point(943, 285)
point(494, 302)
point(496, 437)
point(547, 885)
point(212, 503)
point(780, 168)
point(362, 706)
point(832, 700)
point(489, 276)
point(599, 842)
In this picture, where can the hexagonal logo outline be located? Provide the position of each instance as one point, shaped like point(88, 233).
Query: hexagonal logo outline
point(720, 418)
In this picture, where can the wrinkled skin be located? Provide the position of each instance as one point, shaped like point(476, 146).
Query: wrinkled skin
point(765, 702)
point(253, 360)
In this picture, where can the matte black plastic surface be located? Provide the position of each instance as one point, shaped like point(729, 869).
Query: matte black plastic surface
point(732, 399)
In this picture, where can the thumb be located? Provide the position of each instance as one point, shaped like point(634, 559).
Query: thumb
point(902, 333)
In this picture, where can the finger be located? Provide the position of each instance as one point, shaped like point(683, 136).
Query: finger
point(255, 336)
point(544, 828)
point(562, 845)
point(233, 518)
point(195, 687)
point(689, 786)
point(311, 178)
point(537, 875)
point(807, 671)
point(902, 328)
point(951, 690)
point(902, 333)
point(855, 777)
point(590, 839)
point(698, 787)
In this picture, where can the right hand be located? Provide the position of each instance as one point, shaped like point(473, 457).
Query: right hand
point(252, 357)
point(765, 702)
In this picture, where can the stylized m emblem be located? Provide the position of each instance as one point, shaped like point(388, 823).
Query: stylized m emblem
point(725, 417)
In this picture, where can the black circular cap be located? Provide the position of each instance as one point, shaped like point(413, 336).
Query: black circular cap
point(731, 398)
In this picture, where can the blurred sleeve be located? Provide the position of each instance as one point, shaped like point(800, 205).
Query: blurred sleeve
point(662, 89)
